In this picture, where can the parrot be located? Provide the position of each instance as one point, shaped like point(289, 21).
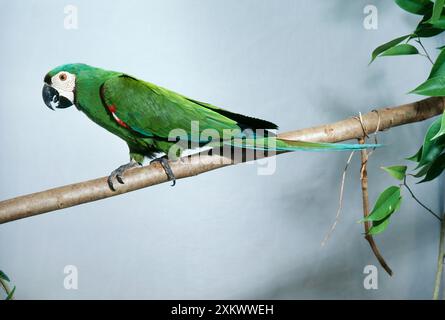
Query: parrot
point(144, 114)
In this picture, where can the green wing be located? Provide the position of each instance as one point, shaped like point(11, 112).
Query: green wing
point(155, 111)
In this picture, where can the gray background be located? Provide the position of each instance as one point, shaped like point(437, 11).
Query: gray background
point(229, 233)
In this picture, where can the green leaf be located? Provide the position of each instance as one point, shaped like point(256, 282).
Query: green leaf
point(437, 11)
point(400, 50)
point(422, 171)
point(436, 168)
point(439, 23)
point(442, 128)
point(379, 50)
point(432, 148)
point(425, 29)
point(398, 172)
point(415, 6)
point(4, 276)
point(434, 87)
point(438, 69)
point(381, 225)
point(397, 207)
point(385, 204)
point(417, 156)
point(11, 294)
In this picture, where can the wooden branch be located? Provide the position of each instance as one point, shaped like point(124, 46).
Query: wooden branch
point(92, 190)
point(389, 117)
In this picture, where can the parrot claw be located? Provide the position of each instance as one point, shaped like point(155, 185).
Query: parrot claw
point(168, 170)
point(119, 172)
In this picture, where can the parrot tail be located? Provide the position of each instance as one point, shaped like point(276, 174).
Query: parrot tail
point(276, 144)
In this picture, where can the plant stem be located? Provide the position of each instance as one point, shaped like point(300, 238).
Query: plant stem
point(365, 197)
point(419, 202)
point(440, 259)
point(424, 50)
point(340, 201)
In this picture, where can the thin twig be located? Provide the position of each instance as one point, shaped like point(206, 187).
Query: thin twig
point(440, 258)
point(340, 202)
point(365, 197)
point(419, 202)
point(424, 50)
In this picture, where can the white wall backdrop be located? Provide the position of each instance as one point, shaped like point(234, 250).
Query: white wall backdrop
point(230, 233)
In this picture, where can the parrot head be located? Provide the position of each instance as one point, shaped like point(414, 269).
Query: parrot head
point(59, 89)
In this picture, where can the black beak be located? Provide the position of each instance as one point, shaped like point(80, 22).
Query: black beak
point(52, 98)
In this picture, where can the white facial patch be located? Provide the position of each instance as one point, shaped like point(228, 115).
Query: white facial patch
point(65, 83)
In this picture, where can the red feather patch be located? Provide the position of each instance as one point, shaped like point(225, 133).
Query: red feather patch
point(113, 109)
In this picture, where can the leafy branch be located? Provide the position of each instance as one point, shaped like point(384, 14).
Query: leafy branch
point(430, 157)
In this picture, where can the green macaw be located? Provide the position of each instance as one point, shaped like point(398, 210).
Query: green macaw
point(144, 115)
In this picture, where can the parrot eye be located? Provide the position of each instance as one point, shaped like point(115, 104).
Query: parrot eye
point(62, 76)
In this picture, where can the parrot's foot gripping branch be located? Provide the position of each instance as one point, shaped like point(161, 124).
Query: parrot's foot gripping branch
point(119, 172)
point(168, 170)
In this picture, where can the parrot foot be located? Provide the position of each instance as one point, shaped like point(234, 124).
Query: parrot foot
point(119, 172)
point(168, 170)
